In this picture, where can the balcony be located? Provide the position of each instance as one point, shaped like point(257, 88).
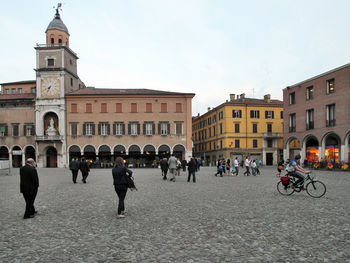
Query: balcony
point(50, 138)
point(271, 135)
point(330, 123)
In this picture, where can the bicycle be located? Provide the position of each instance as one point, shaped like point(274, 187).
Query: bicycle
point(314, 188)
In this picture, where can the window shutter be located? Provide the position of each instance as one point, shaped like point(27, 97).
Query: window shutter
point(99, 129)
point(93, 128)
point(266, 112)
point(144, 128)
point(258, 114)
point(273, 114)
point(153, 128)
point(24, 130)
point(251, 114)
point(84, 129)
point(168, 128)
point(114, 129)
point(33, 130)
point(108, 129)
point(123, 129)
point(159, 128)
point(138, 128)
point(129, 128)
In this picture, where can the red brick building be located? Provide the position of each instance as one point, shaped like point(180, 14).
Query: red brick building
point(317, 117)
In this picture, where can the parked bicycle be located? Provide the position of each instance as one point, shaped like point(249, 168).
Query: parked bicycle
point(314, 188)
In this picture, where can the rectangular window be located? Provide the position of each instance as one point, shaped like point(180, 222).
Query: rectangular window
point(133, 107)
point(292, 122)
point(214, 118)
point(163, 107)
point(220, 144)
point(7, 91)
point(309, 93)
point(236, 127)
point(3, 130)
point(148, 128)
point(178, 128)
point(209, 120)
point(73, 108)
point(269, 143)
point(237, 143)
point(330, 86)
point(220, 128)
point(32, 90)
point(269, 127)
point(74, 129)
point(292, 98)
point(330, 115)
point(13, 91)
point(103, 128)
point(149, 107)
point(221, 115)
point(178, 107)
point(118, 108)
point(310, 119)
point(281, 114)
point(269, 114)
point(214, 131)
point(164, 128)
point(29, 129)
point(71, 82)
point(88, 108)
point(254, 114)
point(119, 128)
point(51, 62)
point(89, 129)
point(15, 129)
point(236, 114)
point(19, 90)
point(255, 143)
point(255, 128)
point(134, 128)
point(103, 107)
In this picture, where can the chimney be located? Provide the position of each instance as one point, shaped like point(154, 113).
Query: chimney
point(198, 115)
point(209, 108)
point(267, 98)
point(242, 97)
point(232, 97)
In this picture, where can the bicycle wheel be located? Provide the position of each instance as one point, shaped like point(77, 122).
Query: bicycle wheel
point(316, 189)
point(284, 190)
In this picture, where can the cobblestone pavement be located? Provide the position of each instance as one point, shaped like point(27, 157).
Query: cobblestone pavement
point(229, 219)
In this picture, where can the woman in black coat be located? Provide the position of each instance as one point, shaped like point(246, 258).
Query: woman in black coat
point(119, 173)
point(85, 169)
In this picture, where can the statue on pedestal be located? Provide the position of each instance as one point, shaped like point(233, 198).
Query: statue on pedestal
point(51, 131)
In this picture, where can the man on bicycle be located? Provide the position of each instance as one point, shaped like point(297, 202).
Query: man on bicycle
point(295, 170)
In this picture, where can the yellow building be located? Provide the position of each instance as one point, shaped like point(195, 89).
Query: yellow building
point(240, 127)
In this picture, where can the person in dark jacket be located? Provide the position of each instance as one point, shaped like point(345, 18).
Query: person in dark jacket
point(164, 166)
point(84, 168)
point(119, 173)
point(74, 167)
point(184, 164)
point(29, 184)
point(192, 166)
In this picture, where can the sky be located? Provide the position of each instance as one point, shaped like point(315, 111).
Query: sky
point(212, 48)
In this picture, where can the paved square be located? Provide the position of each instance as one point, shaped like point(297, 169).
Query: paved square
point(229, 219)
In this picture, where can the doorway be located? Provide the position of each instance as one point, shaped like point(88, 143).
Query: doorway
point(269, 158)
point(51, 157)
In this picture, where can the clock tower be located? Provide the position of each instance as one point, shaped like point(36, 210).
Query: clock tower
point(56, 75)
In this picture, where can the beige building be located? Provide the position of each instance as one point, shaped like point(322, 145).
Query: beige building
point(55, 117)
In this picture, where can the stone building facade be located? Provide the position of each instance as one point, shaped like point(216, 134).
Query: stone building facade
point(56, 117)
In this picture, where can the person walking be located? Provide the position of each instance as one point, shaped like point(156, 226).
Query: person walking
point(74, 167)
point(246, 164)
point(253, 166)
point(84, 168)
point(164, 166)
point(29, 184)
point(119, 173)
point(236, 164)
point(172, 167)
point(192, 169)
point(184, 164)
point(258, 166)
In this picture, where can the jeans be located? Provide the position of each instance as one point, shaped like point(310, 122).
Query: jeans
point(236, 168)
point(193, 175)
point(300, 177)
point(121, 192)
point(247, 172)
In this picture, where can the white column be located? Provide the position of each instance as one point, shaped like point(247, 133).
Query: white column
point(320, 153)
point(303, 152)
point(10, 158)
point(343, 153)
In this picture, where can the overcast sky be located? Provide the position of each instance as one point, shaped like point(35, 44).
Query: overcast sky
point(208, 47)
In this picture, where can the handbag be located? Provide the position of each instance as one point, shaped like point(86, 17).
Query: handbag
point(130, 182)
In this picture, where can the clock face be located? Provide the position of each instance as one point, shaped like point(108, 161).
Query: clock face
point(50, 86)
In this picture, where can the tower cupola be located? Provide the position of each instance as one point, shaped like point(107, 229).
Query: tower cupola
point(57, 32)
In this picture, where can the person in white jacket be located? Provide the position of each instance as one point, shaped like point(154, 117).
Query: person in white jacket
point(172, 167)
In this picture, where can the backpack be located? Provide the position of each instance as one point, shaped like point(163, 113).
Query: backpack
point(220, 168)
